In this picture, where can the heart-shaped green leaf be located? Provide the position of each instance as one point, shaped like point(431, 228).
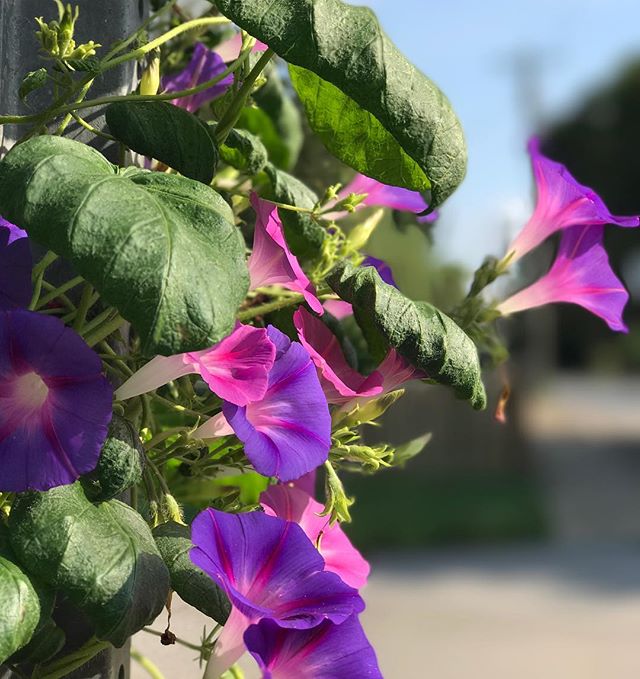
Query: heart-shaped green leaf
point(160, 248)
point(103, 557)
point(168, 133)
point(190, 582)
point(372, 108)
point(425, 336)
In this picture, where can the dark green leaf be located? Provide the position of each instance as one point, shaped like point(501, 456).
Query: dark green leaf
point(425, 336)
point(166, 132)
point(243, 150)
point(46, 642)
point(190, 582)
point(372, 107)
point(304, 235)
point(86, 65)
point(120, 464)
point(25, 604)
point(103, 557)
point(160, 248)
point(32, 81)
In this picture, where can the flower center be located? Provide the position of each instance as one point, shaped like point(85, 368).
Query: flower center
point(29, 392)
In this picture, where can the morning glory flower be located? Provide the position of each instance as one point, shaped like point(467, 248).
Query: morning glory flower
point(15, 266)
point(55, 403)
point(581, 274)
point(271, 262)
point(322, 652)
point(229, 50)
point(291, 503)
point(562, 202)
point(269, 569)
point(236, 369)
point(288, 432)
point(204, 65)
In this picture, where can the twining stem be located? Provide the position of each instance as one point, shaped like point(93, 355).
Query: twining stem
point(83, 306)
point(69, 663)
point(151, 668)
point(81, 95)
point(60, 290)
point(177, 407)
point(104, 330)
point(264, 309)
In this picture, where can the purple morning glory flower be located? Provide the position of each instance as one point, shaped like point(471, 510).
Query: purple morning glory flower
point(288, 432)
point(55, 404)
point(382, 268)
point(581, 274)
point(327, 651)
point(269, 569)
point(205, 64)
point(15, 266)
point(562, 202)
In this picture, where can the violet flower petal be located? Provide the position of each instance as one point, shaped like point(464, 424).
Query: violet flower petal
point(382, 268)
point(15, 266)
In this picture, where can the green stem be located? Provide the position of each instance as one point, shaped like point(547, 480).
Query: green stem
point(48, 259)
point(264, 309)
point(152, 669)
point(60, 290)
point(83, 306)
point(177, 406)
point(94, 130)
point(162, 436)
point(69, 663)
point(81, 95)
point(104, 330)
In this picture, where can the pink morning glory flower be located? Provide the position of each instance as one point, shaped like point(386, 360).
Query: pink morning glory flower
point(288, 432)
point(236, 369)
point(562, 202)
point(204, 65)
point(229, 50)
point(15, 266)
point(581, 274)
point(340, 556)
point(324, 652)
point(271, 262)
point(269, 569)
point(55, 403)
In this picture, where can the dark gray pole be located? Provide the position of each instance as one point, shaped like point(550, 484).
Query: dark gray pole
point(104, 21)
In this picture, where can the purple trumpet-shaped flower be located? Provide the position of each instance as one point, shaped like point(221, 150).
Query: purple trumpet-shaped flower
point(269, 569)
point(288, 432)
point(340, 556)
point(204, 65)
point(15, 266)
point(581, 274)
point(271, 262)
point(562, 202)
point(327, 651)
point(236, 369)
point(55, 404)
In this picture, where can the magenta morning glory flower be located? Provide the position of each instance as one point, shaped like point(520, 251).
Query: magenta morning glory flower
point(288, 432)
point(269, 569)
point(562, 202)
point(15, 266)
point(204, 65)
point(55, 404)
point(235, 369)
point(271, 262)
point(229, 50)
point(581, 274)
point(340, 556)
point(327, 651)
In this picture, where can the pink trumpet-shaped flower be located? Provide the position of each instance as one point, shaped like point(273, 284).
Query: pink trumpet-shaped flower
point(271, 262)
point(229, 50)
point(581, 274)
point(236, 369)
point(562, 202)
point(340, 556)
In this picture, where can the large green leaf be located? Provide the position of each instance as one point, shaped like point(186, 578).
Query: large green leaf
point(160, 248)
point(25, 604)
point(103, 557)
point(425, 336)
point(190, 582)
point(372, 107)
point(166, 132)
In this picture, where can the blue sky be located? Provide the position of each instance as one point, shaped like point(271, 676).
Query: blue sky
point(468, 48)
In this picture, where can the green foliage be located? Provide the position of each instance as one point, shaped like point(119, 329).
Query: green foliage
point(372, 107)
point(120, 464)
point(425, 336)
point(243, 150)
point(162, 249)
point(103, 557)
point(32, 81)
point(190, 582)
point(24, 602)
point(46, 642)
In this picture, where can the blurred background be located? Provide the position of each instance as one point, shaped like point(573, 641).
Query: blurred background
point(512, 549)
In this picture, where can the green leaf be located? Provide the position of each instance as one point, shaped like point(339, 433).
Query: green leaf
point(371, 107)
point(120, 464)
point(242, 150)
point(425, 336)
point(32, 81)
point(160, 248)
point(46, 642)
point(408, 450)
point(166, 132)
point(304, 235)
point(24, 602)
point(190, 582)
point(103, 557)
